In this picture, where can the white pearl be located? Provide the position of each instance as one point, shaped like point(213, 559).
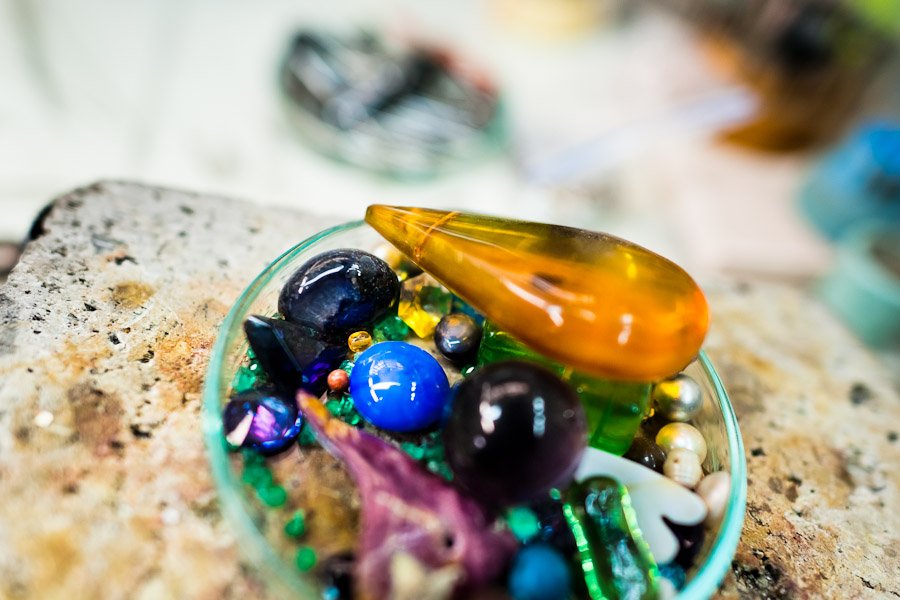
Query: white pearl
point(682, 435)
point(679, 398)
point(715, 489)
point(682, 466)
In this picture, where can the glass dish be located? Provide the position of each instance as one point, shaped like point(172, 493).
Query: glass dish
point(245, 513)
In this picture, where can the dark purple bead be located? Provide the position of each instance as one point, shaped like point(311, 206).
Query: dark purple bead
point(690, 541)
point(262, 419)
point(646, 452)
point(339, 292)
point(293, 356)
point(457, 336)
point(515, 431)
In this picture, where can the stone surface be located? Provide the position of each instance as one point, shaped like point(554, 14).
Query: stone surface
point(112, 498)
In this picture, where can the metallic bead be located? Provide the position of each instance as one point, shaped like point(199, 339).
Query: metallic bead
point(683, 466)
point(715, 489)
point(359, 341)
point(682, 435)
point(679, 398)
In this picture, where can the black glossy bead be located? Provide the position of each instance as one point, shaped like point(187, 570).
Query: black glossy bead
point(339, 292)
point(515, 431)
point(457, 336)
point(293, 356)
point(646, 452)
point(690, 541)
point(263, 419)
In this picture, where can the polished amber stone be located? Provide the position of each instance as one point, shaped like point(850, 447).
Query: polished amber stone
point(589, 300)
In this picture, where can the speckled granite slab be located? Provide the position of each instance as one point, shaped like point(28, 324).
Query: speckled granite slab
point(105, 329)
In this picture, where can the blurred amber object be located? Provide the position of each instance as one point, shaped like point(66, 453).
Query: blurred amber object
point(809, 61)
point(594, 302)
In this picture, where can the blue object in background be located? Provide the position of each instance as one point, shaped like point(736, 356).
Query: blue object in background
point(859, 181)
point(398, 387)
point(864, 288)
point(539, 572)
point(674, 573)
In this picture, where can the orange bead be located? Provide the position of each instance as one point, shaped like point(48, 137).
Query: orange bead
point(589, 300)
point(338, 380)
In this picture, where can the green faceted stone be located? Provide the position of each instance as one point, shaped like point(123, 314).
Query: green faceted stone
point(497, 345)
point(347, 365)
point(615, 560)
point(307, 436)
point(390, 329)
point(435, 299)
point(296, 527)
point(246, 377)
point(523, 523)
point(272, 495)
point(306, 558)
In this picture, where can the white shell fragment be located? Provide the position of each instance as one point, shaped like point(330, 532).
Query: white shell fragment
point(652, 497)
point(682, 466)
point(715, 489)
point(679, 398)
point(682, 435)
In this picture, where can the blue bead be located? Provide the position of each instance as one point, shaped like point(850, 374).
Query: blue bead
point(674, 573)
point(262, 419)
point(398, 387)
point(539, 572)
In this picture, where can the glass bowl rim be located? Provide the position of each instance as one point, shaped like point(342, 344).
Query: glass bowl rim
point(252, 540)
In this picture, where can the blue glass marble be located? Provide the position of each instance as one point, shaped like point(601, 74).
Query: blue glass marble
point(339, 292)
point(262, 419)
point(293, 356)
point(539, 572)
point(859, 181)
point(398, 387)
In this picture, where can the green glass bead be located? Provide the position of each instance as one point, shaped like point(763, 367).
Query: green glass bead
point(296, 527)
point(272, 495)
point(306, 558)
point(307, 436)
point(523, 523)
point(347, 366)
point(246, 377)
point(415, 452)
point(257, 476)
point(615, 559)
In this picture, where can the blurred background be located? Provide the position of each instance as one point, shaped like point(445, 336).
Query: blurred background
point(749, 138)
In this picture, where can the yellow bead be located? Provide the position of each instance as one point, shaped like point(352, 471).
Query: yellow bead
point(588, 300)
point(359, 341)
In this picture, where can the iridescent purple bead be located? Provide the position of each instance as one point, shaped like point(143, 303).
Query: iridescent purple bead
point(261, 419)
point(515, 431)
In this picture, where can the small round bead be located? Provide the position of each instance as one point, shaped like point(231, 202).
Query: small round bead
point(679, 398)
point(682, 467)
point(359, 341)
point(539, 572)
point(338, 380)
point(457, 336)
point(715, 489)
point(646, 452)
point(306, 558)
point(682, 435)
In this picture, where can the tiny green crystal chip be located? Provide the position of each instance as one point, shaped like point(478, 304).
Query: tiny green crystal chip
point(306, 558)
point(296, 527)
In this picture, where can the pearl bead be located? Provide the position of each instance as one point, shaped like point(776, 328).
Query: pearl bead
point(682, 435)
point(715, 489)
point(679, 398)
point(682, 466)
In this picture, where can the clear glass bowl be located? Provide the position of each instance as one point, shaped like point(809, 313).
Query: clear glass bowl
point(246, 514)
